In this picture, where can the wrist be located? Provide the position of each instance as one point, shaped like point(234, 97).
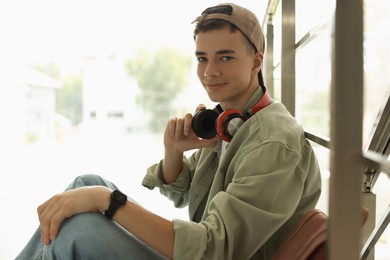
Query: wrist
point(172, 151)
point(172, 166)
point(104, 198)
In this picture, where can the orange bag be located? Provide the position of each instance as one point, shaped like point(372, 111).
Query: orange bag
point(308, 240)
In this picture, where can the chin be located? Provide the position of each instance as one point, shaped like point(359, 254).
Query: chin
point(215, 98)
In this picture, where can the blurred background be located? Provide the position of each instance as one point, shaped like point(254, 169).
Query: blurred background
point(87, 87)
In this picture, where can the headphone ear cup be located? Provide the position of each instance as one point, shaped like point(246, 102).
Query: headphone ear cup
point(203, 123)
point(229, 122)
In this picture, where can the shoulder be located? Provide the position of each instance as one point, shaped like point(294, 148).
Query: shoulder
point(273, 124)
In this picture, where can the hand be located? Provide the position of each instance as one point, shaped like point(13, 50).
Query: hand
point(180, 137)
point(67, 204)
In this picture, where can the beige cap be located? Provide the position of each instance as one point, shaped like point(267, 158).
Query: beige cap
point(242, 18)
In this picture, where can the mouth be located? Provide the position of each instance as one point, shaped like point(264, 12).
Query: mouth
point(214, 85)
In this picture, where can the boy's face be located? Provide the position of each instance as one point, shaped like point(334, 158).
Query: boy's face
point(227, 68)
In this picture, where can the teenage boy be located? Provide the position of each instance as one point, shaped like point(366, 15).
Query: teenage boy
point(252, 177)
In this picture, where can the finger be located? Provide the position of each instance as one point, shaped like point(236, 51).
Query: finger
point(179, 128)
point(44, 220)
point(55, 224)
point(172, 126)
point(187, 124)
point(50, 216)
point(200, 107)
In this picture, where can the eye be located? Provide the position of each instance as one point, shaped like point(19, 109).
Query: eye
point(201, 59)
point(226, 58)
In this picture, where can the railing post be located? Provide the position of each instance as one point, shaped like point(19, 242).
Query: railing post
point(346, 164)
point(269, 56)
point(288, 55)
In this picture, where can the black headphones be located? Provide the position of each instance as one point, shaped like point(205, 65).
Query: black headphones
point(208, 123)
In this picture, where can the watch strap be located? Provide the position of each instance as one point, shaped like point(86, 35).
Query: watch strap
point(118, 199)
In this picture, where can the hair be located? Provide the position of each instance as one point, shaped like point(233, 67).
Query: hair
point(217, 24)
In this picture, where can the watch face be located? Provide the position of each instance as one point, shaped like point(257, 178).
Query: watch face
point(119, 196)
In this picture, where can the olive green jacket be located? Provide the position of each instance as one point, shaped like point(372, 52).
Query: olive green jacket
point(245, 206)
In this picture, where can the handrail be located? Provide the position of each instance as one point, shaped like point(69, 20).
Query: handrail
point(378, 142)
point(271, 10)
point(377, 161)
point(375, 235)
point(323, 141)
point(311, 35)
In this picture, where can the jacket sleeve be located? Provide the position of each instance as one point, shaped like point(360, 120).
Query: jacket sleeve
point(260, 198)
point(178, 191)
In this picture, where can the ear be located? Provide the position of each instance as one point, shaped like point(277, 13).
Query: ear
point(257, 62)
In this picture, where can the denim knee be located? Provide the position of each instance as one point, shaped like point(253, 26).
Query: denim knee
point(90, 180)
point(93, 236)
point(78, 235)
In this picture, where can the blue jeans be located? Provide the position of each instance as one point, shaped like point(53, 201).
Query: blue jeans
point(89, 236)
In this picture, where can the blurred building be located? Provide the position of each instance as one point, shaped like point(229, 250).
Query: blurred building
point(27, 105)
point(109, 97)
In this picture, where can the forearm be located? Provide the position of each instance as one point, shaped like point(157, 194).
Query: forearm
point(172, 165)
point(152, 229)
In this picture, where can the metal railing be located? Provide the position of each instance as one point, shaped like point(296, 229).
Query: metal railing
point(353, 170)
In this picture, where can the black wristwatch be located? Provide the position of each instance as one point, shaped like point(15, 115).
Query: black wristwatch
point(118, 199)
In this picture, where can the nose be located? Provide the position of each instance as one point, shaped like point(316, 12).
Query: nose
point(211, 70)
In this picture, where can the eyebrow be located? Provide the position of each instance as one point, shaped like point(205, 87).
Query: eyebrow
point(201, 53)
